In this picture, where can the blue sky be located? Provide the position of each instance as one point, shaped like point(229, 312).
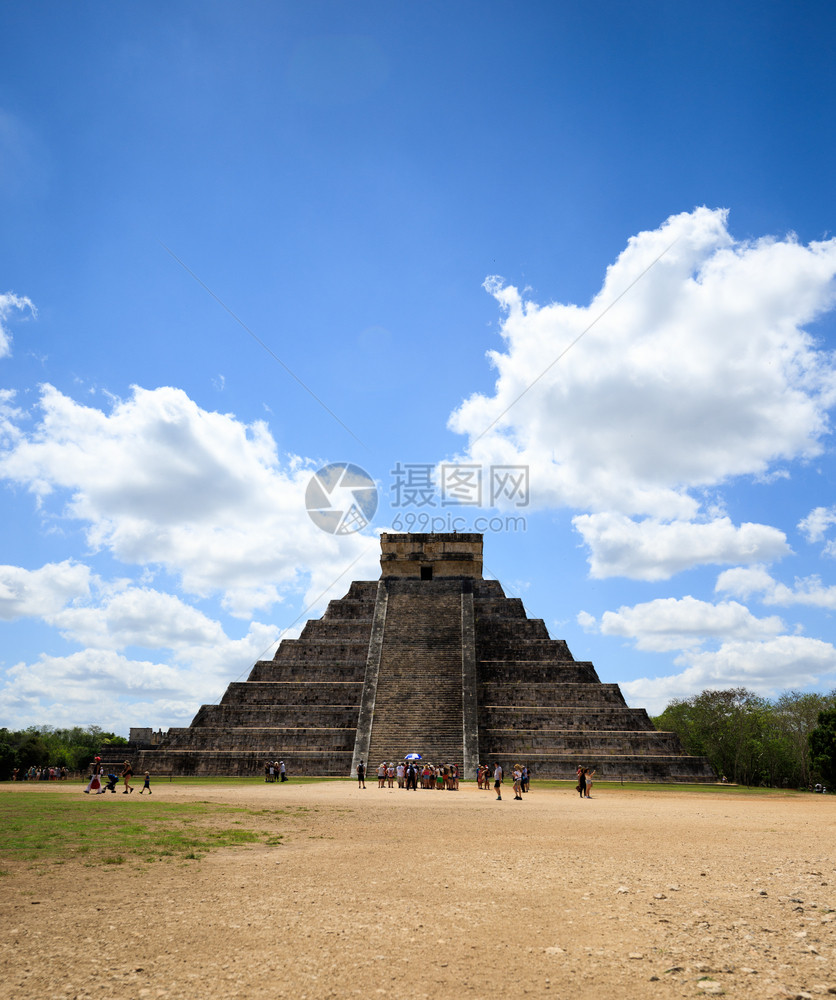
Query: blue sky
point(593, 241)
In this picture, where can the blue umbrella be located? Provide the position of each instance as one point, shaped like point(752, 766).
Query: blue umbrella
point(413, 756)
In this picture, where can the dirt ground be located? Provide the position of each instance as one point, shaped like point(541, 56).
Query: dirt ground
point(632, 894)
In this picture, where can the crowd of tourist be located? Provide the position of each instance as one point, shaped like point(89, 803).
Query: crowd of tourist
point(275, 770)
point(40, 774)
point(412, 774)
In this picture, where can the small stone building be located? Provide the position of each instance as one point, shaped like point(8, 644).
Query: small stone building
point(430, 659)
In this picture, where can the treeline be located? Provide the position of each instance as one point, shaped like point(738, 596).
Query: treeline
point(46, 746)
point(754, 741)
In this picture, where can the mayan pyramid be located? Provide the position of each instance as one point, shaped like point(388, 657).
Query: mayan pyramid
point(430, 659)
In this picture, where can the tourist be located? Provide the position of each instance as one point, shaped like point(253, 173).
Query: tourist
point(526, 774)
point(401, 771)
point(94, 785)
point(517, 775)
point(588, 774)
point(381, 775)
point(361, 774)
point(439, 779)
point(282, 771)
point(390, 773)
point(127, 773)
point(425, 776)
point(497, 781)
point(412, 777)
point(147, 785)
point(580, 788)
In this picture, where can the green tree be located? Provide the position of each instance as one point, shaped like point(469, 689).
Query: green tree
point(823, 746)
point(797, 717)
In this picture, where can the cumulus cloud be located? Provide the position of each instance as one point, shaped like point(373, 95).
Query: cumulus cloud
point(719, 646)
point(138, 616)
point(689, 367)
point(746, 582)
point(814, 526)
point(655, 550)
point(684, 623)
point(9, 304)
point(765, 666)
point(158, 481)
point(41, 592)
point(101, 682)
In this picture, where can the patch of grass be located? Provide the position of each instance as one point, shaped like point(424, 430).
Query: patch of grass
point(50, 827)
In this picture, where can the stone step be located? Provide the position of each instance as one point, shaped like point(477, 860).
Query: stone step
point(521, 649)
point(330, 630)
point(270, 670)
point(321, 652)
point(563, 741)
point(535, 671)
point(276, 739)
point(550, 693)
point(291, 693)
point(242, 762)
point(271, 714)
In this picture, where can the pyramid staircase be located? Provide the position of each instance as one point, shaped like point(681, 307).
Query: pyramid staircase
point(418, 702)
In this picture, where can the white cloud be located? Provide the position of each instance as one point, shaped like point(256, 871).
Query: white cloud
point(815, 524)
point(99, 682)
point(685, 623)
point(138, 617)
point(702, 372)
point(160, 481)
point(41, 592)
point(654, 550)
point(765, 667)
point(9, 303)
point(745, 582)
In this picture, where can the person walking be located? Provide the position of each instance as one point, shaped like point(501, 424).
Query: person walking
point(147, 785)
point(517, 783)
point(497, 782)
point(127, 773)
point(588, 775)
point(95, 784)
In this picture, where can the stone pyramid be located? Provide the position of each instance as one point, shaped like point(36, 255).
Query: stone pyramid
point(429, 659)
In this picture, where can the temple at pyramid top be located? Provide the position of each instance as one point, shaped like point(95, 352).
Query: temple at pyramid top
point(431, 556)
point(430, 659)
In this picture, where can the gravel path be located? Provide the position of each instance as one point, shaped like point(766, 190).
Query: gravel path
point(632, 894)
